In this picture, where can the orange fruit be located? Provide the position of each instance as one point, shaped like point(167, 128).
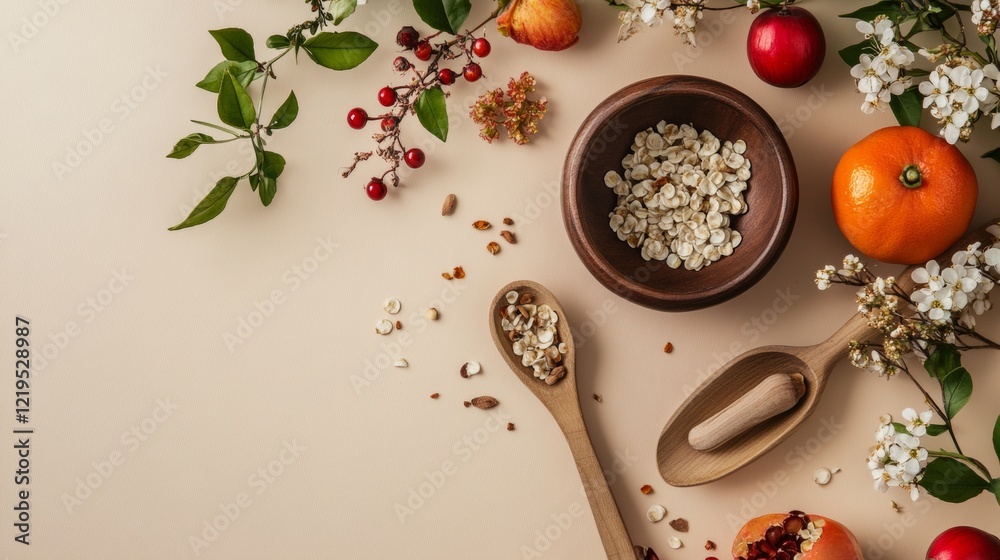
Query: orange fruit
point(902, 195)
point(835, 543)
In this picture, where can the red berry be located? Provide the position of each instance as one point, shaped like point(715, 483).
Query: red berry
point(376, 189)
point(414, 157)
point(388, 124)
point(401, 64)
point(407, 37)
point(447, 76)
point(472, 71)
point(423, 50)
point(481, 47)
point(357, 118)
point(387, 96)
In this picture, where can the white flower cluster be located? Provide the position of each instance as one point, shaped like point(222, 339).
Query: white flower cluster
point(960, 291)
point(850, 267)
point(897, 460)
point(881, 76)
point(650, 13)
point(985, 15)
point(956, 93)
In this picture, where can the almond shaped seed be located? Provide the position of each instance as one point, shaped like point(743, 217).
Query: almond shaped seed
point(484, 402)
point(493, 247)
point(448, 208)
point(508, 222)
point(509, 237)
point(481, 225)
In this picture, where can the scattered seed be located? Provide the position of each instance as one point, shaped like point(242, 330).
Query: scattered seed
point(435, 395)
point(822, 476)
point(509, 237)
point(555, 375)
point(467, 404)
point(392, 306)
point(459, 272)
point(894, 506)
point(449, 205)
point(674, 542)
point(484, 403)
point(493, 247)
point(526, 299)
point(470, 368)
point(510, 426)
point(481, 225)
point(598, 398)
point(384, 326)
point(680, 525)
point(446, 275)
point(431, 314)
point(656, 513)
point(401, 363)
point(646, 489)
point(709, 545)
point(668, 348)
point(508, 222)
point(399, 325)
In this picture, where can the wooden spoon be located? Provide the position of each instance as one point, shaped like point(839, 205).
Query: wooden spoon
point(563, 403)
point(683, 465)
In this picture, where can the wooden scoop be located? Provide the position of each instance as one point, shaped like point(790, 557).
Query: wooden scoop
point(563, 402)
point(682, 464)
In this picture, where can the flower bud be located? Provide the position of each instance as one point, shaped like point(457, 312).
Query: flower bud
point(548, 25)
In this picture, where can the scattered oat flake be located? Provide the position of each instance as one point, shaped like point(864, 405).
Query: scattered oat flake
point(822, 476)
point(674, 542)
point(680, 525)
point(493, 247)
point(646, 489)
point(656, 513)
point(401, 363)
point(392, 306)
point(459, 272)
point(668, 348)
point(709, 545)
point(431, 314)
point(510, 426)
point(598, 398)
point(435, 395)
point(481, 225)
point(384, 326)
point(508, 222)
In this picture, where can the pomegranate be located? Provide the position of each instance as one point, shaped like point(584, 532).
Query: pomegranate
point(784, 535)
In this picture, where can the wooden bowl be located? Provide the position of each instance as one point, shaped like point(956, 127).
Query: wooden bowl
point(606, 137)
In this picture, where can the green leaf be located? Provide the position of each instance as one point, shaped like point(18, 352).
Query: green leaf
point(995, 488)
point(187, 145)
point(936, 429)
point(957, 389)
point(339, 50)
point(254, 181)
point(951, 481)
point(286, 113)
point(236, 44)
point(212, 205)
point(917, 72)
point(244, 72)
point(277, 42)
point(234, 105)
point(443, 15)
point(271, 164)
point(993, 154)
point(432, 112)
point(943, 360)
point(268, 188)
point(900, 428)
point(996, 438)
point(869, 13)
point(908, 107)
point(852, 54)
point(341, 9)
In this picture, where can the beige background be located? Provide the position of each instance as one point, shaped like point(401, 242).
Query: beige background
point(360, 449)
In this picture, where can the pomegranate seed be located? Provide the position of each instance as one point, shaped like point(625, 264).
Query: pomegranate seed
point(472, 71)
point(415, 158)
point(357, 118)
point(481, 47)
point(376, 189)
point(387, 96)
point(774, 534)
point(447, 76)
point(423, 51)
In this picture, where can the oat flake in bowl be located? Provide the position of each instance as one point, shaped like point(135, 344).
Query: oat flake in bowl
point(679, 192)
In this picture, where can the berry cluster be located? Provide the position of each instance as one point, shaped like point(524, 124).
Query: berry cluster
point(399, 100)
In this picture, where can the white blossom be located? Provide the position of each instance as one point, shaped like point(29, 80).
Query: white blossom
point(897, 460)
point(881, 76)
point(985, 15)
point(956, 93)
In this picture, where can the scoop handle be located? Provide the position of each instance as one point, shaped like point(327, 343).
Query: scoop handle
point(777, 393)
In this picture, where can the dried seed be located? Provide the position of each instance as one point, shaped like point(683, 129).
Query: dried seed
point(481, 225)
point(384, 326)
point(524, 310)
point(894, 506)
point(470, 368)
point(459, 272)
point(493, 247)
point(446, 275)
point(401, 363)
point(511, 297)
point(656, 513)
point(555, 375)
point(431, 314)
point(435, 395)
point(399, 325)
point(484, 403)
point(467, 404)
point(508, 222)
point(646, 489)
point(392, 306)
point(822, 476)
point(680, 525)
point(709, 545)
point(598, 398)
point(510, 426)
point(668, 348)
point(449, 205)
point(674, 542)
point(509, 237)
point(526, 299)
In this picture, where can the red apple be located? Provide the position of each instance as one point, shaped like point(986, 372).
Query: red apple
point(786, 46)
point(964, 543)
